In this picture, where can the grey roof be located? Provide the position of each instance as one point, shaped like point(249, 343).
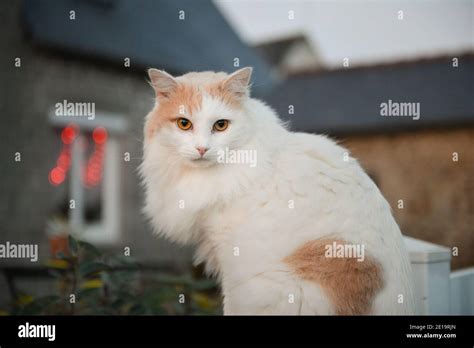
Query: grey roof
point(149, 32)
point(348, 101)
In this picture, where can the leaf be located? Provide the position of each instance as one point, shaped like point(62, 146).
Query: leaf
point(202, 301)
point(72, 245)
point(88, 250)
point(92, 284)
point(92, 267)
point(24, 299)
point(57, 263)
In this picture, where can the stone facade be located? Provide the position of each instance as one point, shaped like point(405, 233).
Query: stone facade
point(437, 192)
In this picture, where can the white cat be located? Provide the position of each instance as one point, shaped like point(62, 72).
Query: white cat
point(299, 229)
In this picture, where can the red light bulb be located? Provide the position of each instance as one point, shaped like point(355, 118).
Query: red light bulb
point(69, 134)
point(56, 176)
point(99, 135)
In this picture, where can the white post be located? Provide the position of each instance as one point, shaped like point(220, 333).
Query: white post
point(431, 266)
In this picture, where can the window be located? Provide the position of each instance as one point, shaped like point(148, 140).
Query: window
point(91, 160)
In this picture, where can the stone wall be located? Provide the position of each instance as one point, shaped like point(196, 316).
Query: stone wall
point(437, 192)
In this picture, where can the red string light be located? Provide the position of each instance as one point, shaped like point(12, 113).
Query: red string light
point(93, 172)
point(57, 175)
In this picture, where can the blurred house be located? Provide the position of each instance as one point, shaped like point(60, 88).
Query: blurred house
point(424, 164)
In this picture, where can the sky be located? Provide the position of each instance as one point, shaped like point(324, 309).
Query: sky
point(366, 32)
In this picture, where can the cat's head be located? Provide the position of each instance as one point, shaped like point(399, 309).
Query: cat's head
point(198, 115)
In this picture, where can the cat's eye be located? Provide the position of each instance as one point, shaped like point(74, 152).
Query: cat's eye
point(184, 123)
point(220, 125)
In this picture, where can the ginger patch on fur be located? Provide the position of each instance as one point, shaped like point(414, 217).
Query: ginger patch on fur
point(350, 284)
point(187, 97)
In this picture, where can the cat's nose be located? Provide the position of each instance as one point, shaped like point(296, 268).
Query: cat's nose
point(201, 150)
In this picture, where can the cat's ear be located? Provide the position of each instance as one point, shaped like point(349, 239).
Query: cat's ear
point(163, 83)
point(238, 82)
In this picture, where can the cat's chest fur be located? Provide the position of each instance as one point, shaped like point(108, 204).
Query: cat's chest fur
point(261, 222)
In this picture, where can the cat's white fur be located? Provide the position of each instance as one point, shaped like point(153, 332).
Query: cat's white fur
point(245, 220)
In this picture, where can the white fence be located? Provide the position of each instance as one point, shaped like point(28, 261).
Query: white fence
point(437, 289)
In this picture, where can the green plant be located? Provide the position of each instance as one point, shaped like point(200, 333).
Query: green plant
point(91, 283)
